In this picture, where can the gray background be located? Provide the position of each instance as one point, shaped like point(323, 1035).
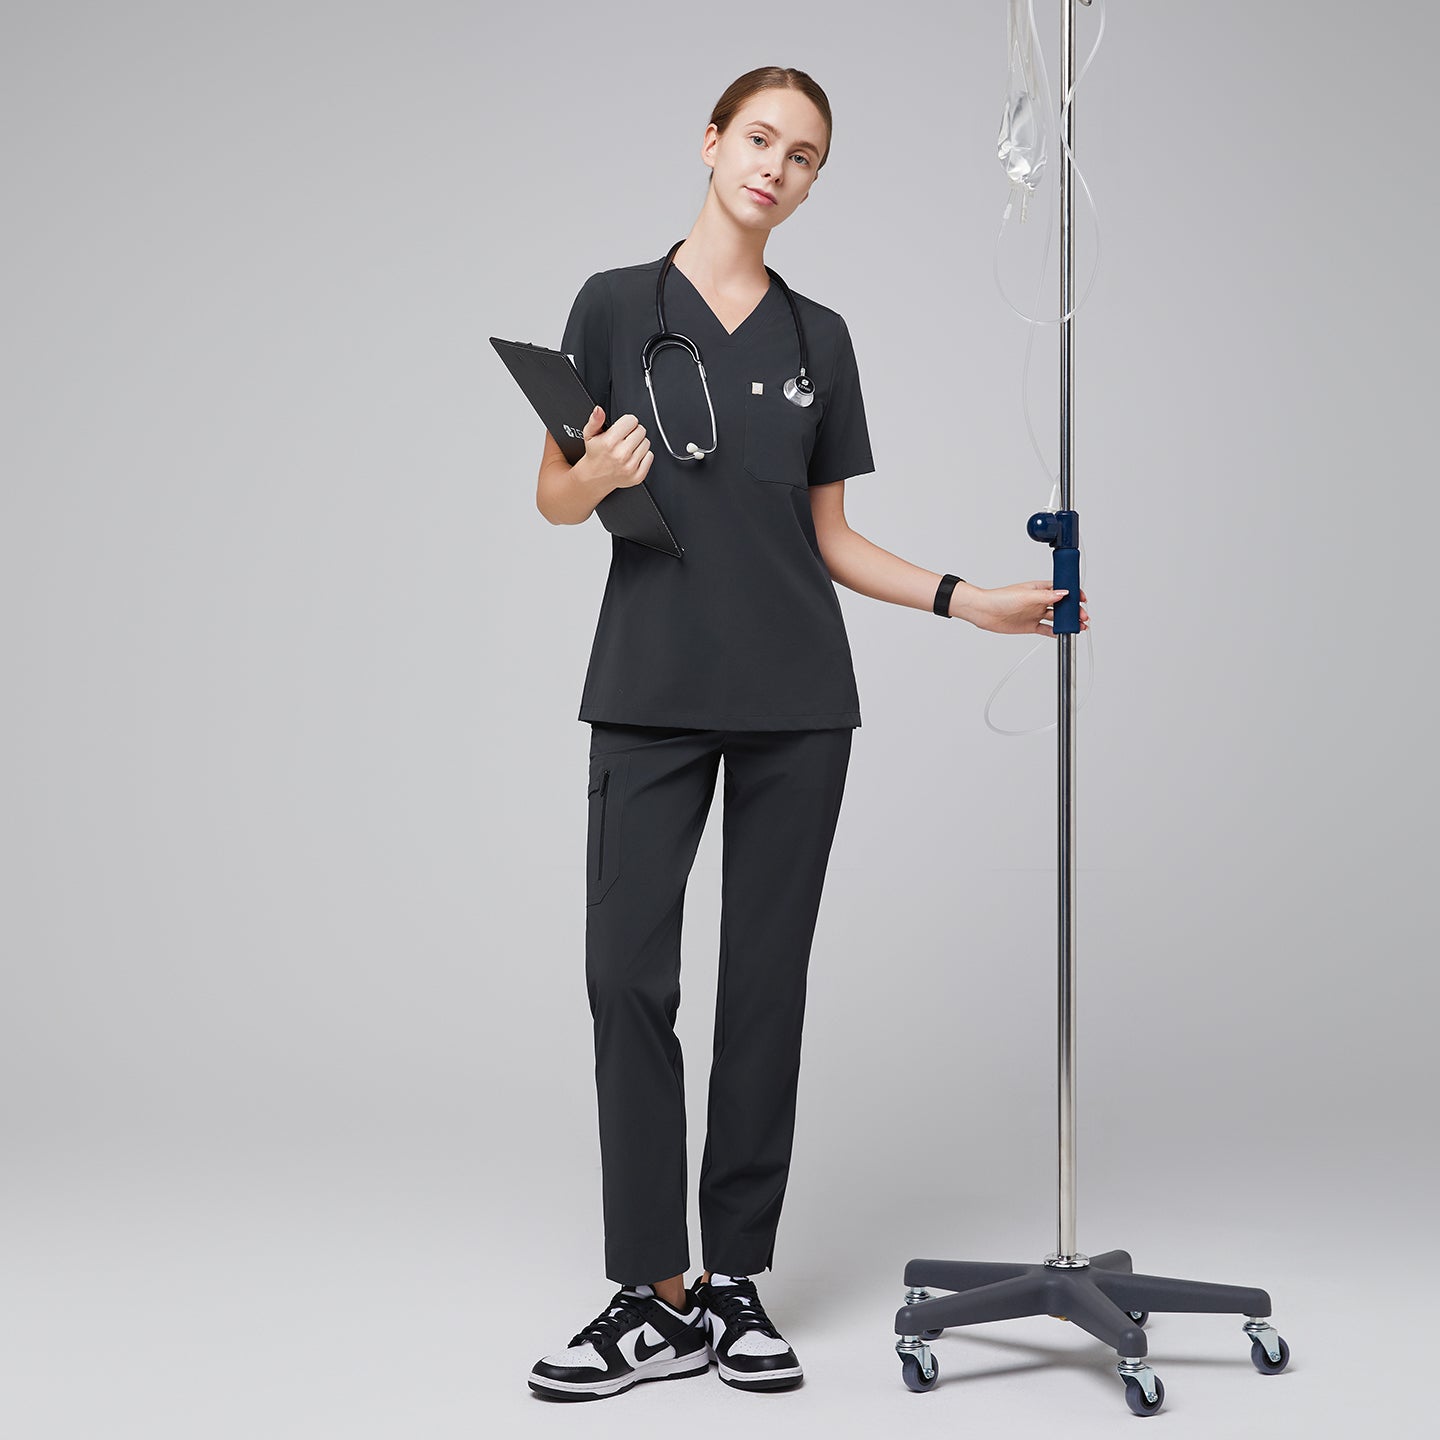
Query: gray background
point(298, 1122)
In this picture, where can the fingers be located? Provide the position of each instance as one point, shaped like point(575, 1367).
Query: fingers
point(593, 424)
point(631, 447)
point(628, 442)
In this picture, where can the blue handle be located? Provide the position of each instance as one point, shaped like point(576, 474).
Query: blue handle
point(1060, 529)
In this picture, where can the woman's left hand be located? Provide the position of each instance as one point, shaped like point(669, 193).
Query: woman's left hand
point(1024, 609)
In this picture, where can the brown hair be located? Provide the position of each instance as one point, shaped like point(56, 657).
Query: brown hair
point(772, 77)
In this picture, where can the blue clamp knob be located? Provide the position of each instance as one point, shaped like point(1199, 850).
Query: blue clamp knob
point(1060, 529)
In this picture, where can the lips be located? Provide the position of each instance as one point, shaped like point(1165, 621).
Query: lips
point(763, 196)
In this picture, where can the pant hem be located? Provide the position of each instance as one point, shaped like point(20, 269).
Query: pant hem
point(631, 1265)
point(748, 1258)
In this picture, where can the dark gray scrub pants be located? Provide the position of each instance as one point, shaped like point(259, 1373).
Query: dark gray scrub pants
point(650, 789)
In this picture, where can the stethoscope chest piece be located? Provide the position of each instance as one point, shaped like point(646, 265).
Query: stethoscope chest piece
point(800, 391)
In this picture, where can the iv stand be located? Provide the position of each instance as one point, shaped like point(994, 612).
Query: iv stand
point(1099, 1293)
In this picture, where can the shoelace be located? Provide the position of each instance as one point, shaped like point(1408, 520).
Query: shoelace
point(617, 1317)
point(740, 1306)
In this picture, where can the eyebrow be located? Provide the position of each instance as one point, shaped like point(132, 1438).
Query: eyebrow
point(799, 144)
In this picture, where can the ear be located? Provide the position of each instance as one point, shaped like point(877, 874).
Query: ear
point(708, 143)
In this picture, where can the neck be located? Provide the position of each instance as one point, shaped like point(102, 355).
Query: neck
point(720, 254)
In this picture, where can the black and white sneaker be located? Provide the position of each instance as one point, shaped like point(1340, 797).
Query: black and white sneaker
point(745, 1343)
point(636, 1337)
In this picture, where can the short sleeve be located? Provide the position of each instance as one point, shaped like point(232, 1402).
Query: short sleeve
point(842, 443)
point(587, 339)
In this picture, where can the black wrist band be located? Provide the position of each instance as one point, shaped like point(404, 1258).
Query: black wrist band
point(943, 593)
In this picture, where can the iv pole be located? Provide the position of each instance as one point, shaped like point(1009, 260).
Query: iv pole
point(1099, 1293)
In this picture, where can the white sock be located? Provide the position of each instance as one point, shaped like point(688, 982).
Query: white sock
point(716, 1278)
point(644, 1289)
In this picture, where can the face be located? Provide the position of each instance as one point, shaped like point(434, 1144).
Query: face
point(771, 148)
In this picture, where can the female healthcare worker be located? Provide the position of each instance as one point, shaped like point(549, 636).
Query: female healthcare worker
point(735, 650)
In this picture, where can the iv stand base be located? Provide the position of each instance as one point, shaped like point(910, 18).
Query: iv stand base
point(1101, 1294)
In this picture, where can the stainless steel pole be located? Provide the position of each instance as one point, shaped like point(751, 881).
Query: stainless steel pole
point(1066, 1253)
point(1109, 1300)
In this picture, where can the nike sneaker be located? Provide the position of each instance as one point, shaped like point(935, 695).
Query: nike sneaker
point(747, 1347)
point(636, 1337)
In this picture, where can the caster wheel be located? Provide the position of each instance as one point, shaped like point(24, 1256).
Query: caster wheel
point(1262, 1361)
point(1138, 1316)
point(914, 1378)
point(1135, 1396)
point(934, 1334)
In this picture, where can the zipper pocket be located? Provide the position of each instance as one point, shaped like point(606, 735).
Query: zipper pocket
point(603, 791)
point(605, 786)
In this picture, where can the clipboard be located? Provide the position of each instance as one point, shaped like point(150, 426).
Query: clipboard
point(553, 386)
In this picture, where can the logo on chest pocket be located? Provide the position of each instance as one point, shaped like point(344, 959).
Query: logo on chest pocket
point(779, 436)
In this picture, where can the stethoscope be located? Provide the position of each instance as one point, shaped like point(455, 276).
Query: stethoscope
point(799, 391)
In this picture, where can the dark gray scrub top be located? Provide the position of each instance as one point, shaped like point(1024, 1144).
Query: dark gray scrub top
point(744, 631)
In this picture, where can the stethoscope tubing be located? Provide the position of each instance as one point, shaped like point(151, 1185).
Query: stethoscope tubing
point(799, 391)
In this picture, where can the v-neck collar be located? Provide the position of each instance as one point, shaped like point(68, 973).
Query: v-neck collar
point(726, 336)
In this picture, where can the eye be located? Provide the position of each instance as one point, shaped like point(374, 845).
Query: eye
point(799, 155)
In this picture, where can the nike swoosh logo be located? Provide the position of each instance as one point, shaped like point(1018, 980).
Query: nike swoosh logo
point(644, 1351)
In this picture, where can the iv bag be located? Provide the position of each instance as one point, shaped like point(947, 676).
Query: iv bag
point(1021, 144)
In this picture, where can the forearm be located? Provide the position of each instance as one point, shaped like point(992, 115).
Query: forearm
point(860, 565)
point(564, 494)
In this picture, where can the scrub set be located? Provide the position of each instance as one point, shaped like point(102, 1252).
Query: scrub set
point(737, 651)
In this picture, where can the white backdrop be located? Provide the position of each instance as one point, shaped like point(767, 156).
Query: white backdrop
point(298, 1127)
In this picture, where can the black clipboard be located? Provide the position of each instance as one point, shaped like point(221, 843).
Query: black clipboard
point(553, 386)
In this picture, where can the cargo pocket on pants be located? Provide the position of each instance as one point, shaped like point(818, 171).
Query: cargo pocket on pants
point(606, 799)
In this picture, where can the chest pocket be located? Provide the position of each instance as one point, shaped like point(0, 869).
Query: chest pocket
point(779, 436)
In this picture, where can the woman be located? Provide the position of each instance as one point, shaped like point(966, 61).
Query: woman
point(736, 650)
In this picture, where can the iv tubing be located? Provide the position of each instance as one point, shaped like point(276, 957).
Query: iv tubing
point(1031, 323)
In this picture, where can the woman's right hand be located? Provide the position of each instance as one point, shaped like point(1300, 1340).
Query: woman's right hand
point(617, 458)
